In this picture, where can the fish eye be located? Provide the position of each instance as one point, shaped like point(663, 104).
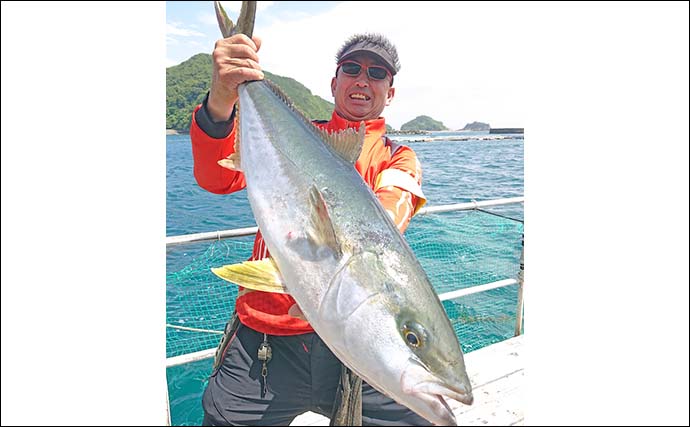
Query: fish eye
point(414, 335)
point(412, 339)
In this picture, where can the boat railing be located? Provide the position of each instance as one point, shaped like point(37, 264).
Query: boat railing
point(248, 231)
point(240, 232)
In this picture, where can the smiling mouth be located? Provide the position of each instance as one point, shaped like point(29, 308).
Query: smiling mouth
point(359, 96)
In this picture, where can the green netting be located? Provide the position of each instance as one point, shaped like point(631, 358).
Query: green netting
point(457, 250)
point(472, 248)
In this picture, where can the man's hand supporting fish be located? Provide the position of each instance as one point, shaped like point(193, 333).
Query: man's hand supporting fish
point(331, 199)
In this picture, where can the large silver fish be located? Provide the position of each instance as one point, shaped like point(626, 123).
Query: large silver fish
point(337, 252)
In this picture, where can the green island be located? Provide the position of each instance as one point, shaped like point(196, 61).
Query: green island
point(188, 82)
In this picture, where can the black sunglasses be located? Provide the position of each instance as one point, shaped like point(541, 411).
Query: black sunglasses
point(352, 68)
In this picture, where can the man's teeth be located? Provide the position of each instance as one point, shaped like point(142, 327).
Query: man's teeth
point(358, 96)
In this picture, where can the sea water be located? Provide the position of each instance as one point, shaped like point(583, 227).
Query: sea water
point(454, 171)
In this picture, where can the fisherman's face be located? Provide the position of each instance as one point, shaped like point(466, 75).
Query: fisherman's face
point(361, 97)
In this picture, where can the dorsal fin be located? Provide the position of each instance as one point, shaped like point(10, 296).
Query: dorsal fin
point(347, 143)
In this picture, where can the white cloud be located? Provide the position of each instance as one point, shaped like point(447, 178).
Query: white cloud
point(460, 62)
point(232, 8)
point(176, 29)
point(170, 62)
point(235, 6)
point(208, 19)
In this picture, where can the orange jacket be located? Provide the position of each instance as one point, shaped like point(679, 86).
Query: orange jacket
point(392, 171)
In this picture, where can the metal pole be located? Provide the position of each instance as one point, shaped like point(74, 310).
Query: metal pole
point(224, 234)
point(209, 236)
point(521, 282)
point(470, 205)
point(167, 405)
point(475, 289)
point(190, 357)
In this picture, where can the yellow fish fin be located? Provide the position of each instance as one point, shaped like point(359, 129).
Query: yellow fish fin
point(262, 275)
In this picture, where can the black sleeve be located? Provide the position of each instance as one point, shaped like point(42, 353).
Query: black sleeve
point(213, 129)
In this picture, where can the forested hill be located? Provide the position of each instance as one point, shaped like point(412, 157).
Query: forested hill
point(188, 82)
point(422, 123)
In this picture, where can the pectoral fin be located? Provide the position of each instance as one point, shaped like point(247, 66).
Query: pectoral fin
point(320, 230)
point(262, 275)
point(233, 162)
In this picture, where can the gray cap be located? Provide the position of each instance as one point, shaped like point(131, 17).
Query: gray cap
point(375, 44)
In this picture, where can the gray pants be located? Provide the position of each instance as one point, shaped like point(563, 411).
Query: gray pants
point(303, 375)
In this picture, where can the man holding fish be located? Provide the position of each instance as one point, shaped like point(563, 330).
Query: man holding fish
point(271, 364)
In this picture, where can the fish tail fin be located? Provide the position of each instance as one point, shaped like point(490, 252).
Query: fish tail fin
point(226, 25)
point(245, 22)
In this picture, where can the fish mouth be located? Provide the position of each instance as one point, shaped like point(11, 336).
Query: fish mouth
point(430, 393)
point(434, 395)
point(439, 390)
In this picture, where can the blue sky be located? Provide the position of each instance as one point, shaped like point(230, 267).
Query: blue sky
point(191, 25)
point(461, 62)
